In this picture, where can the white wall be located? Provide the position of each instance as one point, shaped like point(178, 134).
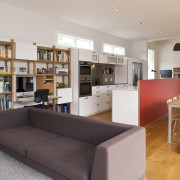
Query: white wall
point(24, 25)
point(167, 58)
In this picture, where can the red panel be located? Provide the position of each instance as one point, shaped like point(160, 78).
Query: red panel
point(153, 97)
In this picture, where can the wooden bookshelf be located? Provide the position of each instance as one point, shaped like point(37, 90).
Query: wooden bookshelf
point(6, 75)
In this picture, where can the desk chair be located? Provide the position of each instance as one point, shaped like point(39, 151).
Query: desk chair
point(41, 95)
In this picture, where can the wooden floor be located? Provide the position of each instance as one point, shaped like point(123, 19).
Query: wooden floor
point(162, 159)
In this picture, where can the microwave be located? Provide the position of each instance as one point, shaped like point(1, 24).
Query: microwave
point(85, 68)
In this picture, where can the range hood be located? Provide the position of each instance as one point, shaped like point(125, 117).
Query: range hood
point(176, 47)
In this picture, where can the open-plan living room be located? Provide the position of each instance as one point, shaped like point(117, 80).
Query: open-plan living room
point(89, 90)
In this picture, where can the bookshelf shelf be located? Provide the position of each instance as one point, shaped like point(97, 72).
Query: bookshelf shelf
point(24, 75)
point(5, 59)
point(5, 74)
point(5, 93)
point(62, 74)
point(44, 61)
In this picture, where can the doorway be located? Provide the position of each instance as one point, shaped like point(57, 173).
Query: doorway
point(151, 70)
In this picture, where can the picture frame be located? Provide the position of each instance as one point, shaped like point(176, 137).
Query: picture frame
point(2, 69)
point(22, 70)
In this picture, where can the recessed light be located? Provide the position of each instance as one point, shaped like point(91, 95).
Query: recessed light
point(142, 22)
point(115, 8)
point(159, 32)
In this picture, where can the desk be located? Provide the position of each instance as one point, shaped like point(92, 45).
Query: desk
point(31, 100)
point(54, 99)
point(176, 104)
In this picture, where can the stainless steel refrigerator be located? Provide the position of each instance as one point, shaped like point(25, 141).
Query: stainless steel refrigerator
point(136, 72)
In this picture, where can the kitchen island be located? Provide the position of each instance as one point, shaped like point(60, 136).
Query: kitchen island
point(125, 106)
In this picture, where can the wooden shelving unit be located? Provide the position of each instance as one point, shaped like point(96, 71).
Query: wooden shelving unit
point(176, 72)
point(6, 75)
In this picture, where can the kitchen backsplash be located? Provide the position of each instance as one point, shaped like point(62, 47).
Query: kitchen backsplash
point(103, 74)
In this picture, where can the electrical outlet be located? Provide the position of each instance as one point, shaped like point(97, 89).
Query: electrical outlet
point(111, 79)
point(105, 79)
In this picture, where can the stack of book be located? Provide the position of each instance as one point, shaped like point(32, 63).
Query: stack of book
point(5, 86)
point(5, 51)
point(62, 56)
point(45, 55)
point(62, 108)
point(5, 103)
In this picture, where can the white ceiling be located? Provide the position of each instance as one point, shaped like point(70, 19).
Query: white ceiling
point(157, 15)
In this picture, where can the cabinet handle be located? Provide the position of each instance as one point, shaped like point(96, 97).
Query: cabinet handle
point(98, 104)
point(86, 98)
point(97, 96)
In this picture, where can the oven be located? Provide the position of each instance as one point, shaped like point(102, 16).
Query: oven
point(85, 79)
point(85, 88)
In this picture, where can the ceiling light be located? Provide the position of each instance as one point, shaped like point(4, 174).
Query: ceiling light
point(115, 8)
point(159, 32)
point(141, 22)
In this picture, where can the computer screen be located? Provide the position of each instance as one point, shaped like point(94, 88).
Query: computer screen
point(24, 84)
point(166, 73)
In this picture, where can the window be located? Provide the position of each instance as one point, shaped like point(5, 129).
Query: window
point(109, 48)
point(72, 41)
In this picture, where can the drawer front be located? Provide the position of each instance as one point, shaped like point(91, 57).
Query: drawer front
point(106, 105)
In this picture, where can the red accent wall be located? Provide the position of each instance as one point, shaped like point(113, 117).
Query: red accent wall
point(153, 95)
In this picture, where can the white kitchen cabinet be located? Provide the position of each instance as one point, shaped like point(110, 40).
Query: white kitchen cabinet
point(103, 58)
point(66, 94)
point(85, 55)
point(112, 59)
point(106, 105)
point(95, 58)
point(85, 106)
point(121, 60)
point(26, 51)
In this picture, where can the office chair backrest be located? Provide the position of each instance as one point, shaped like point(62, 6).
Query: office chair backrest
point(41, 95)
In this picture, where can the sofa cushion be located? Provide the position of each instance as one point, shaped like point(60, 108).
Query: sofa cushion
point(21, 138)
point(69, 157)
point(76, 127)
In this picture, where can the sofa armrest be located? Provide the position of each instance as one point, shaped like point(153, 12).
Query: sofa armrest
point(12, 118)
point(122, 157)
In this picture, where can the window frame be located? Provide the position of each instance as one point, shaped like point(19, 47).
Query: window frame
point(75, 39)
point(113, 47)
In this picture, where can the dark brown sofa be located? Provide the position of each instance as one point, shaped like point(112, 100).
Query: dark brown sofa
point(67, 147)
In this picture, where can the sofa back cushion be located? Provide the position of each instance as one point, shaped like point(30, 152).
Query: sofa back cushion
point(77, 127)
point(13, 118)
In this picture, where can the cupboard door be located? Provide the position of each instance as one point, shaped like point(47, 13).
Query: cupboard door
point(103, 58)
point(85, 106)
point(95, 58)
point(66, 94)
point(85, 55)
point(112, 59)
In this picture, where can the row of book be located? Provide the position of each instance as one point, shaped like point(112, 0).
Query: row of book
point(5, 86)
point(62, 56)
point(62, 108)
point(5, 51)
point(5, 103)
point(45, 55)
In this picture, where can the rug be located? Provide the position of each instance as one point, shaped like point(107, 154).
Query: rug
point(11, 169)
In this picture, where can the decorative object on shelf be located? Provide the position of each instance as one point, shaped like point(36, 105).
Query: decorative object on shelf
point(2, 69)
point(60, 85)
point(42, 71)
point(22, 70)
point(61, 70)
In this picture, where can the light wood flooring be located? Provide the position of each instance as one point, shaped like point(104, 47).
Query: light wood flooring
point(162, 159)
